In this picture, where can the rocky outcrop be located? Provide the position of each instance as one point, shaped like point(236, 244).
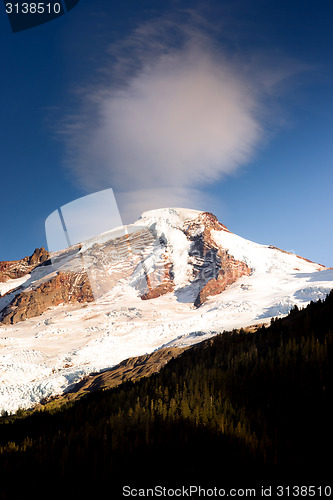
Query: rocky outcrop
point(204, 223)
point(214, 269)
point(64, 288)
point(230, 270)
point(39, 256)
point(19, 268)
point(159, 282)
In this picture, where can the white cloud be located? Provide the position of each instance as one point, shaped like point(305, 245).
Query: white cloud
point(175, 116)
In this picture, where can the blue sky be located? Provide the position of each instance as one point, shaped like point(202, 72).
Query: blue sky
point(221, 106)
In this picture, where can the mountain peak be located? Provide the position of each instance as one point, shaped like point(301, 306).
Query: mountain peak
point(173, 278)
point(182, 218)
point(171, 215)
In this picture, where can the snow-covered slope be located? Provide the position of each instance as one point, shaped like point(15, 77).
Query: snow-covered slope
point(198, 279)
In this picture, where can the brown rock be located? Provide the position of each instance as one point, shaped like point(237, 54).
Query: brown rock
point(231, 270)
point(64, 288)
point(18, 268)
point(159, 282)
point(205, 220)
point(39, 256)
point(214, 268)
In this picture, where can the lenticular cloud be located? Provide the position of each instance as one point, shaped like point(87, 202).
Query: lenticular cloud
point(182, 119)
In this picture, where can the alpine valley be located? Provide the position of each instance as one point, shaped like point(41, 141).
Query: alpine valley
point(172, 279)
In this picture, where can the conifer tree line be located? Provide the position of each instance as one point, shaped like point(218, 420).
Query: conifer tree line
point(240, 406)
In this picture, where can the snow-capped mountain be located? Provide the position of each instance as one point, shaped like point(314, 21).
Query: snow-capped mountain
point(173, 278)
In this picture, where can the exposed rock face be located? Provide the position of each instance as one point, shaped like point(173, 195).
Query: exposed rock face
point(19, 268)
point(214, 269)
point(39, 256)
point(205, 222)
point(159, 282)
point(228, 271)
point(62, 288)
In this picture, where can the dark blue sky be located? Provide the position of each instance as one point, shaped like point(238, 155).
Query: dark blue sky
point(280, 194)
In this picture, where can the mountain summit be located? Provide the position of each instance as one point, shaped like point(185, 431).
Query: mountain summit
point(173, 278)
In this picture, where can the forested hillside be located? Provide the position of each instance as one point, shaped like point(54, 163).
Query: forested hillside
point(243, 408)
